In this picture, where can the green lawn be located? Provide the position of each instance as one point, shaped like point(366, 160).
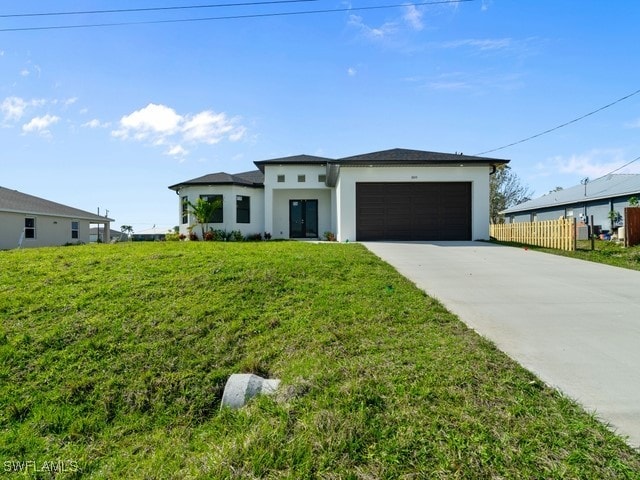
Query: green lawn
point(113, 359)
point(609, 253)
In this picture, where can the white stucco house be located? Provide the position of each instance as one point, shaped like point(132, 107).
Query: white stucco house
point(28, 221)
point(394, 194)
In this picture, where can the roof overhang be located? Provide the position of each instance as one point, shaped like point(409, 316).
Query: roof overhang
point(90, 218)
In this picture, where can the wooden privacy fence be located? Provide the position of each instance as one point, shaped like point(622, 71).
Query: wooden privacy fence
point(559, 234)
point(632, 226)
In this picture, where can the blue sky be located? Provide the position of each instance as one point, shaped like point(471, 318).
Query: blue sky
point(109, 117)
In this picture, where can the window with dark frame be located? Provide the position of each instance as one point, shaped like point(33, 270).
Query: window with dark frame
point(29, 227)
point(280, 178)
point(302, 178)
point(217, 216)
point(185, 209)
point(75, 228)
point(243, 209)
point(322, 178)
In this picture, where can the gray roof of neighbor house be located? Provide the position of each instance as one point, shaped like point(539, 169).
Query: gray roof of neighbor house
point(254, 178)
point(609, 186)
point(113, 233)
point(416, 157)
point(18, 202)
point(295, 159)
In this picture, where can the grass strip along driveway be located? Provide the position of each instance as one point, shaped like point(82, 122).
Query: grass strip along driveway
point(113, 359)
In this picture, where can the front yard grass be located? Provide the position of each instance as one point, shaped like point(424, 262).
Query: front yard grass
point(113, 359)
point(607, 252)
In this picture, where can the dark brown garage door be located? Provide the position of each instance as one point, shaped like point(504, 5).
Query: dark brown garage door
point(413, 211)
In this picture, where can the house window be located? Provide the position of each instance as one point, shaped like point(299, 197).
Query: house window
point(75, 227)
point(322, 178)
point(301, 178)
point(185, 209)
point(217, 215)
point(29, 227)
point(280, 178)
point(243, 214)
point(569, 212)
point(534, 217)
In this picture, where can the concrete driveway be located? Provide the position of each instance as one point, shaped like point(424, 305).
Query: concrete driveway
point(575, 324)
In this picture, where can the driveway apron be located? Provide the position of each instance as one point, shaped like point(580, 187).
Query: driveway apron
point(575, 324)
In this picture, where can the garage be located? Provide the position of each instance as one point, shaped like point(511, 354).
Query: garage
point(413, 211)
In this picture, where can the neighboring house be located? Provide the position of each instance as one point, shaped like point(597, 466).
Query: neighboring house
point(150, 234)
point(28, 221)
point(390, 195)
point(598, 198)
point(96, 233)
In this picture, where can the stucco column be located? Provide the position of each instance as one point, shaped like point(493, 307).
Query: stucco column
point(106, 238)
point(268, 210)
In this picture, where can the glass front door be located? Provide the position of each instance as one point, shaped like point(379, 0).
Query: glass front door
point(303, 218)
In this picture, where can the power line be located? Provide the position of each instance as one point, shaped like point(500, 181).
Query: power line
point(620, 168)
point(231, 17)
point(560, 126)
point(149, 9)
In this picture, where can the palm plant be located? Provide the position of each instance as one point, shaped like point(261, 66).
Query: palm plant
point(203, 211)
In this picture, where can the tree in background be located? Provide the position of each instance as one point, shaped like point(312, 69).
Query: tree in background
point(505, 190)
point(127, 229)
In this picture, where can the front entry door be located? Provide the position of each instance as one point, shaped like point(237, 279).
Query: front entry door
point(303, 218)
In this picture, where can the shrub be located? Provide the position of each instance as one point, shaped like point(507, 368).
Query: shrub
point(253, 237)
point(329, 236)
point(173, 237)
point(236, 236)
point(220, 235)
point(267, 236)
point(193, 237)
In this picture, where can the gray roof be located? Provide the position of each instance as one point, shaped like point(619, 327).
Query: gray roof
point(254, 178)
point(18, 202)
point(396, 156)
point(609, 186)
point(415, 157)
point(295, 159)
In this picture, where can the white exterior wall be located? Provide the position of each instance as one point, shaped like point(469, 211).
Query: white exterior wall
point(229, 193)
point(350, 175)
point(277, 196)
point(50, 230)
point(281, 199)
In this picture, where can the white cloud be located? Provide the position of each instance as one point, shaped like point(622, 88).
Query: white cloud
point(207, 127)
point(373, 33)
point(593, 164)
point(13, 108)
point(177, 151)
point(352, 72)
point(633, 124)
point(160, 125)
point(95, 123)
point(151, 120)
point(40, 125)
point(485, 5)
point(24, 72)
point(413, 17)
